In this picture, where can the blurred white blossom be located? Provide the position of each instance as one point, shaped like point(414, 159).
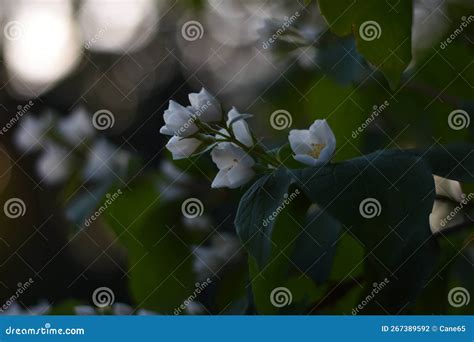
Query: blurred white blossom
point(210, 259)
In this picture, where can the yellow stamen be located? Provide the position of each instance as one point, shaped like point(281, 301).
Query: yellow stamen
point(316, 151)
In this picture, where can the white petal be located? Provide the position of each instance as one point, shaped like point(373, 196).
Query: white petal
point(30, 134)
point(305, 159)
point(14, 310)
point(76, 126)
point(225, 155)
point(326, 154)
point(121, 309)
point(322, 133)
point(300, 141)
point(220, 181)
point(84, 310)
point(449, 188)
point(222, 155)
point(182, 147)
point(54, 164)
point(239, 175)
point(166, 131)
point(194, 308)
point(240, 128)
point(179, 120)
point(205, 106)
point(42, 308)
point(103, 159)
point(144, 312)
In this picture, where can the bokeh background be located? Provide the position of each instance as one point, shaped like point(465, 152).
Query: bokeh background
point(62, 61)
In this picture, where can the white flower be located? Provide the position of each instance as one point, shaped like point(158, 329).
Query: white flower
point(31, 133)
point(76, 126)
point(235, 166)
point(104, 159)
point(182, 148)
point(449, 188)
point(209, 260)
point(54, 164)
point(315, 145)
point(240, 128)
point(178, 121)
point(195, 308)
point(205, 107)
point(117, 309)
point(42, 308)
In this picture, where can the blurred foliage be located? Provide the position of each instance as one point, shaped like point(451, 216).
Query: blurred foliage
point(142, 248)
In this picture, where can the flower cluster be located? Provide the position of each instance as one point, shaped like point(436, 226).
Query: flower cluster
point(64, 143)
point(202, 126)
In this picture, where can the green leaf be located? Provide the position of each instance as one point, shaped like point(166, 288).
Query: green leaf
point(159, 262)
point(316, 245)
point(454, 161)
point(382, 30)
point(398, 242)
point(255, 215)
point(276, 271)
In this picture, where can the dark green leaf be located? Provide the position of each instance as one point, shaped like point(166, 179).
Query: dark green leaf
point(255, 215)
point(316, 246)
point(159, 262)
point(386, 42)
point(454, 161)
point(398, 242)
